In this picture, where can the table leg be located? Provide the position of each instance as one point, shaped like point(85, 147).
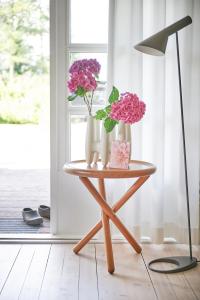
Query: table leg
point(107, 235)
point(140, 181)
point(109, 212)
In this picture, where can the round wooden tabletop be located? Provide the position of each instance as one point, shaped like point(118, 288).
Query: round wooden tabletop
point(136, 169)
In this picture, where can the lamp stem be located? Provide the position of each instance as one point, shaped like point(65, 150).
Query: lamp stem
point(184, 145)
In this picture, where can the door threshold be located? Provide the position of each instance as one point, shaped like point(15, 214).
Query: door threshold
point(48, 239)
point(36, 238)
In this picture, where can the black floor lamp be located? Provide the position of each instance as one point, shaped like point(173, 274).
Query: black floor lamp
point(156, 45)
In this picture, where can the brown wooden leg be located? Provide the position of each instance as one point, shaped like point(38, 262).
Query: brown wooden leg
point(107, 235)
point(109, 212)
point(87, 238)
point(115, 208)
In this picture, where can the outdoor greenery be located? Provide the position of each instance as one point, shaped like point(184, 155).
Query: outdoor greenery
point(24, 60)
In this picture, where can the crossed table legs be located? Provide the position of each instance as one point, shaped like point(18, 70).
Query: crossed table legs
point(109, 213)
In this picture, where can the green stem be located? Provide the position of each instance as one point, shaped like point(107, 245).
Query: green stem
point(91, 101)
point(87, 103)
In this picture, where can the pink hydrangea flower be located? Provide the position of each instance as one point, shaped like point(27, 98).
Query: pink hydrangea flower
point(90, 65)
point(83, 79)
point(129, 109)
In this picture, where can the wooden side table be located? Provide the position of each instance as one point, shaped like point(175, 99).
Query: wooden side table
point(137, 169)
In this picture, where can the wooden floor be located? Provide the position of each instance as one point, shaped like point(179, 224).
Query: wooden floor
point(54, 272)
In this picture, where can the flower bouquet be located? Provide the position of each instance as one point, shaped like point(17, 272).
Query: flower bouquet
point(83, 81)
point(128, 109)
point(124, 109)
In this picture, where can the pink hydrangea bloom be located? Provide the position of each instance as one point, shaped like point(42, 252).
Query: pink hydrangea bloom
point(83, 79)
point(90, 65)
point(83, 74)
point(120, 154)
point(129, 109)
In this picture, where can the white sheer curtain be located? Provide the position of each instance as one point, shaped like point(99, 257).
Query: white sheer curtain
point(158, 210)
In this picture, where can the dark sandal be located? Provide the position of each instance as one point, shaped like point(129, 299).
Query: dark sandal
point(44, 211)
point(31, 217)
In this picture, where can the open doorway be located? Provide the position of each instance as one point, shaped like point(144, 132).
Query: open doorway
point(24, 113)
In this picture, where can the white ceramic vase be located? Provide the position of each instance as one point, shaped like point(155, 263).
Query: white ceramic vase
point(98, 144)
point(124, 133)
point(92, 140)
point(105, 145)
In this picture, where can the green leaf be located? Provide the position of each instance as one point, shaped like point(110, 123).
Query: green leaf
point(114, 96)
point(100, 114)
point(72, 97)
point(109, 124)
point(80, 91)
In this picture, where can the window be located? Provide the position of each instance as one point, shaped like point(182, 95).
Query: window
point(87, 38)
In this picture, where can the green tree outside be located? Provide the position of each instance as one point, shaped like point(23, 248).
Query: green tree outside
point(24, 61)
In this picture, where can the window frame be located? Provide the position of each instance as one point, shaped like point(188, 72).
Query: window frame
point(59, 117)
point(80, 48)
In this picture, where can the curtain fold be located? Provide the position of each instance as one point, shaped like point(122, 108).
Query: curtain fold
point(158, 210)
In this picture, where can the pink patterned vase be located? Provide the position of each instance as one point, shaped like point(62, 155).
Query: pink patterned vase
point(120, 154)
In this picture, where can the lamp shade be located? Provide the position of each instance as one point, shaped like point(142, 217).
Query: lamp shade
point(154, 45)
point(157, 43)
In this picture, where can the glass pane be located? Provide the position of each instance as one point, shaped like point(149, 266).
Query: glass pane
point(99, 95)
point(89, 21)
point(78, 131)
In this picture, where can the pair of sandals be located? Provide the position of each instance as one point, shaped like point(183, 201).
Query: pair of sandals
point(34, 217)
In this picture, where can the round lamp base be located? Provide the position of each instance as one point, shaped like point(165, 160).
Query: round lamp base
point(182, 263)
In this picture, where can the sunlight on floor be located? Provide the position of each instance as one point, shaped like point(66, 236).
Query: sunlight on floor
point(24, 146)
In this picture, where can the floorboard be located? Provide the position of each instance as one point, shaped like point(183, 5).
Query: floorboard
point(52, 278)
point(8, 254)
point(32, 284)
point(171, 286)
point(191, 278)
point(160, 282)
point(16, 278)
point(88, 274)
point(51, 272)
point(130, 279)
